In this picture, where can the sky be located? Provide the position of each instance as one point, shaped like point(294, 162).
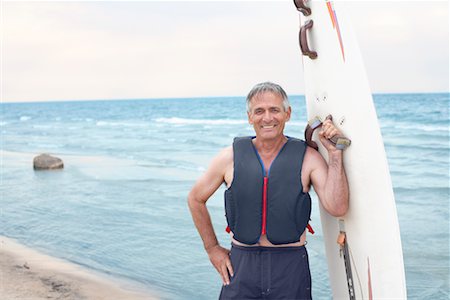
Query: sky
point(67, 50)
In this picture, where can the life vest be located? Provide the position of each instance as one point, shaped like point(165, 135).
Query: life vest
point(274, 204)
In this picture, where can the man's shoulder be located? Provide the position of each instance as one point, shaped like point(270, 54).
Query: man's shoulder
point(225, 155)
point(227, 150)
point(312, 159)
point(221, 162)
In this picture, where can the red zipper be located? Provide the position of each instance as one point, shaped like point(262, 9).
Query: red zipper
point(264, 206)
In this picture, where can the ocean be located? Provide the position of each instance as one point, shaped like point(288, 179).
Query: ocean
point(119, 206)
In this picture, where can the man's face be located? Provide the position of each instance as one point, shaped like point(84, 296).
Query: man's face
point(267, 115)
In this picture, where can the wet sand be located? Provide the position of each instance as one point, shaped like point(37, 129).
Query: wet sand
point(27, 274)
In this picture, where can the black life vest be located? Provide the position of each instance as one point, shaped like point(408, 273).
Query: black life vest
point(274, 204)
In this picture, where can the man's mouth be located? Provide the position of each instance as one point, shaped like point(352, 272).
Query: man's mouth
point(268, 126)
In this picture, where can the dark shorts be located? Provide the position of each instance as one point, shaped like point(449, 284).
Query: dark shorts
point(268, 273)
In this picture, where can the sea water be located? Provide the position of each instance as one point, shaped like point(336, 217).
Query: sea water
point(119, 206)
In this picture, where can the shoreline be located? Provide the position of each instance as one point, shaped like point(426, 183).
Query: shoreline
point(26, 273)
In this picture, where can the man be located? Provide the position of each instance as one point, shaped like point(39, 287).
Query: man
point(267, 202)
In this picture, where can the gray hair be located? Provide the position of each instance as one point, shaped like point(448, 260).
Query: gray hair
point(268, 87)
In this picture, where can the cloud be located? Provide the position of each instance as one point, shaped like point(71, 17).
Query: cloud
point(405, 45)
point(104, 50)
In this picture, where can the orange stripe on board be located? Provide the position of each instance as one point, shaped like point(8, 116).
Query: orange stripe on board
point(340, 39)
point(330, 11)
point(336, 26)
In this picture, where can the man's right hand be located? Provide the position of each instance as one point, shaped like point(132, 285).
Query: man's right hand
point(220, 258)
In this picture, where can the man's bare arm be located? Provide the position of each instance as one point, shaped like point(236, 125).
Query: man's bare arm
point(203, 189)
point(329, 181)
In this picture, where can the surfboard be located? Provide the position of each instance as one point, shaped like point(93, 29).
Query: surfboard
point(368, 262)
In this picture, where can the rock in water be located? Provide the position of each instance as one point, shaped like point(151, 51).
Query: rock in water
point(47, 162)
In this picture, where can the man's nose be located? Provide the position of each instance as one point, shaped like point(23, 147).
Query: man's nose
point(267, 117)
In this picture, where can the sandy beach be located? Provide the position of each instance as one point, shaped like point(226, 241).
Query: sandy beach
point(29, 274)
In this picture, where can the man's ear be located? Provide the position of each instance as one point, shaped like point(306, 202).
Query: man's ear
point(249, 118)
point(289, 111)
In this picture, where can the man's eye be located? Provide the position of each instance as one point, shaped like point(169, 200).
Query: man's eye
point(275, 110)
point(258, 111)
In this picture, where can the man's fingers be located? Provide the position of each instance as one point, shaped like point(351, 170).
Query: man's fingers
point(329, 131)
point(224, 274)
point(230, 268)
point(326, 124)
point(219, 270)
point(220, 259)
point(322, 134)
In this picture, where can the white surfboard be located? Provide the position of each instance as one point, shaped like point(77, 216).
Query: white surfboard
point(336, 83)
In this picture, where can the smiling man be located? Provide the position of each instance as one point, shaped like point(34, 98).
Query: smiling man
point(267, 204)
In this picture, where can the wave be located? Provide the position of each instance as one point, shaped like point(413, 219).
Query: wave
point(424, 190)
point(46, 146)
point(39, 126)
point(119, 124)
point(183, 121)
point(25, 118)
point(296, 123)
point(391, 145)
point(418, 127)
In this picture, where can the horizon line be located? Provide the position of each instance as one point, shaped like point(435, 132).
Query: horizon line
point(190, 97)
